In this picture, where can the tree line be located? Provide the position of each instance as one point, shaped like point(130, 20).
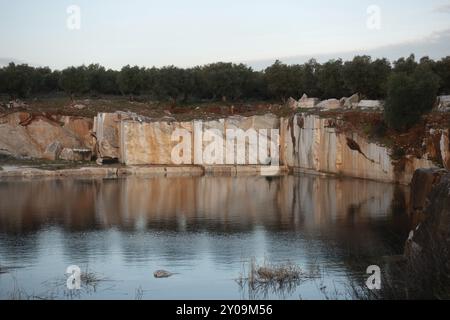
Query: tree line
point(224, 81)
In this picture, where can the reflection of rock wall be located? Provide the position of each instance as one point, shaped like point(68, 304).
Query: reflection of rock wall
point(162, 201)
point(27, 205)
point(319, 201)
point(216, 203)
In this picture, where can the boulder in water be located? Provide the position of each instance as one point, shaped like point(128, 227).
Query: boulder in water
point(162, 274)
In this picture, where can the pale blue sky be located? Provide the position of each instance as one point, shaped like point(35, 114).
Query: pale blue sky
point(187, 33)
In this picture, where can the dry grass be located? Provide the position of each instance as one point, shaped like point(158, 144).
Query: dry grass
point(18, 293)
point(280, 274)
point(56, 288)
point(90, 283)
point(146, 106)
point(139, 294)
point(269, 278)
point(90, 279)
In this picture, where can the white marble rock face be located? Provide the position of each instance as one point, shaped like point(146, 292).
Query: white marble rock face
point(307, 142)
point(312, 144)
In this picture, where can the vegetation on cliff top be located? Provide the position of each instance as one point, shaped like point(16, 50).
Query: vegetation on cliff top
point(409, 86)
point(410, 95)
point(222, 81)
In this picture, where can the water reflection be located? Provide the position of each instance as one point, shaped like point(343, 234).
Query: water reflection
point(201, 226)
point(218, 204)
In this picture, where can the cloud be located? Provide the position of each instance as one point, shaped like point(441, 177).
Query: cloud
point(443, 8)
point(435, 45)
point(6, 61)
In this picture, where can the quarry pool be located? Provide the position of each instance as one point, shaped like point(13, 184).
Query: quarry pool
point(205, 230)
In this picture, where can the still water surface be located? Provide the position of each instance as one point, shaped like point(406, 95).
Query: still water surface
point(204, 229)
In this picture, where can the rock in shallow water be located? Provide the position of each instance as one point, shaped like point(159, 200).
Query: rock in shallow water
point(162, 274)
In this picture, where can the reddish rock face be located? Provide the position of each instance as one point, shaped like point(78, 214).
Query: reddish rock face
point(29, 135)
point(437, 146)
point(53, 151)
point(444, 145)
point(81, 127)
point(107, 133)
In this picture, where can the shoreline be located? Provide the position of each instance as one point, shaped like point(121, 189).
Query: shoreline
point(12, 172)
point(17, 171)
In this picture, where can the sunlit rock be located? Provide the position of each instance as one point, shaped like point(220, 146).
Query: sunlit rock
point(444, 145)
point(307, 103)
point(149, 142)
point(200, 142)
point(106, 130)
point(329, 104)
point(311, 143)
point(351, 102)
point(27, 135)
point(53, 151)
point(370, 105)
point(443, 103)
point(292, 103)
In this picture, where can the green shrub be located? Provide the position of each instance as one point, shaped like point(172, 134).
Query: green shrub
point(409, 97)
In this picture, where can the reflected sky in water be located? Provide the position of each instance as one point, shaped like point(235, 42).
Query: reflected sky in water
point(205, 229)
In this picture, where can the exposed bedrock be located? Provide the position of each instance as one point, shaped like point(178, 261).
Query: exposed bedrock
point(316, 144)
point(307, 142)
point(423, 182)
point(25, 135)
point(428, 247)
